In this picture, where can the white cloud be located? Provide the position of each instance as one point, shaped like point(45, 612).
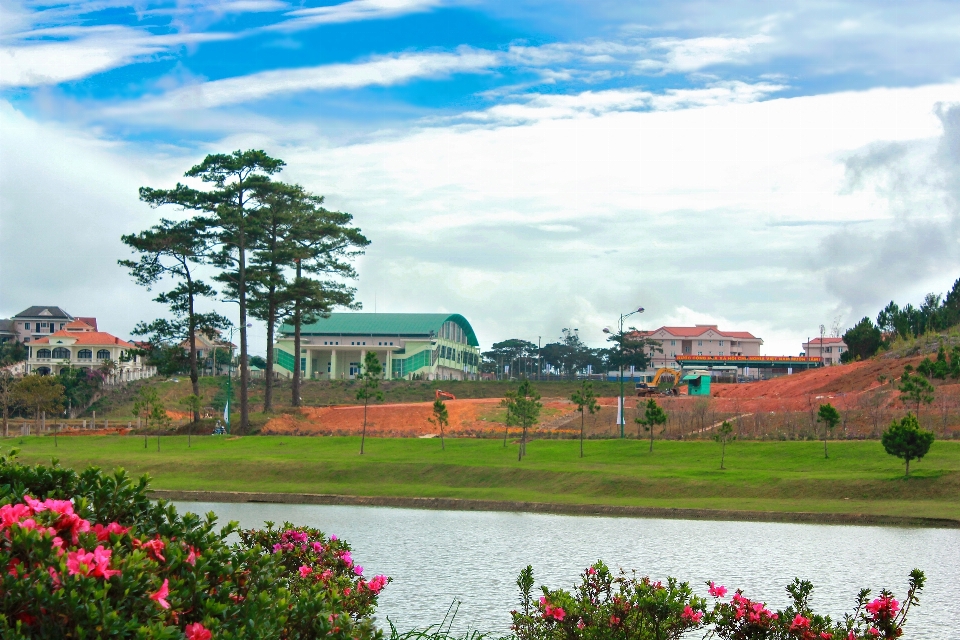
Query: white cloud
point(352, 11)
point(693, 54)
point(378, 71)
point(714, 212)
point(38, 60)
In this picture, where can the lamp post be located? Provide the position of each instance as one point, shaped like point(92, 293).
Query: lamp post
point(622, 417)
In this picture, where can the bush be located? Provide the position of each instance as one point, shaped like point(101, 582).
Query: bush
point(89, 555)
point(608, 607)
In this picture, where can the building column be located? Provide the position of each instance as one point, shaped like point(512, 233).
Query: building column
point(363, 356)
point(389, 365)
point(333, 364)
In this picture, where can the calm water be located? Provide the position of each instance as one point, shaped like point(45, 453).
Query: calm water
point(435, 556)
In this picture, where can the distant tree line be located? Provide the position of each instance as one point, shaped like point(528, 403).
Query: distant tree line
point(936, 313)
point(569, 356)
point(275, 250)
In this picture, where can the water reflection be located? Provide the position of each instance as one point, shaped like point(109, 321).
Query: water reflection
point(435, 556)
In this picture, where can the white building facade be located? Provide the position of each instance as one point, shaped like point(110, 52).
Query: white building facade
point(700, 340)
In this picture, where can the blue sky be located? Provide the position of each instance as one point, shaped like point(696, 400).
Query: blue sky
point(532, 165)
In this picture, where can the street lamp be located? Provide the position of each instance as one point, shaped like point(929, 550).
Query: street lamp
point(621, 418)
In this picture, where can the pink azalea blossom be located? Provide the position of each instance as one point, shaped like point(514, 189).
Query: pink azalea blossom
point(13, 513)
point(305, 571)
point(717, 591)
point(691, 615)
point(317, 547)
point(346, 557)
point(800, 623)
point(104, 532)
point(357, 569)
point(192, 557)
point(377, 584)
point(197, 631)
point(161, 595)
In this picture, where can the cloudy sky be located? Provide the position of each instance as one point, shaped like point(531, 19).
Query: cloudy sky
point(532, 165)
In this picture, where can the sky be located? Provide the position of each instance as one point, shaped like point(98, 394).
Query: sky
point(535, 166)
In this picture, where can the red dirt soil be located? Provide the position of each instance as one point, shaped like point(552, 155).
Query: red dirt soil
point(843, 386)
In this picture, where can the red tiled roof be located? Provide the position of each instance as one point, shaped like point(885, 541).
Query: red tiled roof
point(699, 330)
point(79, 326)
point(96, 338)
point(826, 341)
point(90, 321)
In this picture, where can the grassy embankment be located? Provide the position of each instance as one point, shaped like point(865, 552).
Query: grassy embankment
point(763, 476)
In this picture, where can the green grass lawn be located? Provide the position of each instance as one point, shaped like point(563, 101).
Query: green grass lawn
point(768, 476)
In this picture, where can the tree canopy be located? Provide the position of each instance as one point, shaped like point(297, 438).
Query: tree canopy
point(906, 440)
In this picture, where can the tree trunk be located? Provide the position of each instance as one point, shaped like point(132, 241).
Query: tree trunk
point(506, 429)
point(825, 444)
point(723, 451)
point(651, 438)
point(192, 324)
point(297, 320)
point(242, 298)
point(268, 371)
point(363, 434)
point(908, 467)
point(442, 446)
point(581, 431)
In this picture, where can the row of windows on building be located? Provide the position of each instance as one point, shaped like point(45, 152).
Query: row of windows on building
point(64, 354)
point(699, 353)
point(40, 326)
point(673, 343)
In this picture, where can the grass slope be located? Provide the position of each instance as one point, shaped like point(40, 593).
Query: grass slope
point(767, 476)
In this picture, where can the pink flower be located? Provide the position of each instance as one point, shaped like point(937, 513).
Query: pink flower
point(317, 547)
point(55, 577)
point(333, 538)
point(884, 607)
point(825, 636)
point(873, 631)
point(581, 625)
point(305, 571)
point(104, 532)
point(13, 513)
point(347, 591)
point(79, 562)
point(717, 592)
point(690, 615)
point(358, 570)
point(154, 548)
point(192, 557)
point(161, 595)
point(591, 571)
point(800, 623)
point(196, 631)
point(346, 557)
point(377, 584)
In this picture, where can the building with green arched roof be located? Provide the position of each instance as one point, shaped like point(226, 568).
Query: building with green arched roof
point(432, 346)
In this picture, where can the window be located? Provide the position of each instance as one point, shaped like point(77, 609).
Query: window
point(721, 353)
point(43, 353)
point(699, 353)
point(721, 344)
point(303, 365)
point(199, 353)
point(673, 343)
point(828, 350)
point(85, 354)
point(103, 354)
point(700, 344)
point(61, 354)
point(61, 325)
point(26, 325)
point(391, 344)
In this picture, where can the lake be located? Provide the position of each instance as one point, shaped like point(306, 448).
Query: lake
point(436, 556)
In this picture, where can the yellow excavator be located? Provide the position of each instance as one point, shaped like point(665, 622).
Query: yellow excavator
point(653, 386)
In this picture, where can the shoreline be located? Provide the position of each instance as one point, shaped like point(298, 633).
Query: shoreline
point(462, 504)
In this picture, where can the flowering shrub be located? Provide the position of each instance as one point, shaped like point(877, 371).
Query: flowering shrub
point(89, 555)
point(615, 607)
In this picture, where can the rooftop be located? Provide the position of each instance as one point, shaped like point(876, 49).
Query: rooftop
point(420, 325)
point(96, 338)
point(816, 341)
point(44, 312)
point(700, 329)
